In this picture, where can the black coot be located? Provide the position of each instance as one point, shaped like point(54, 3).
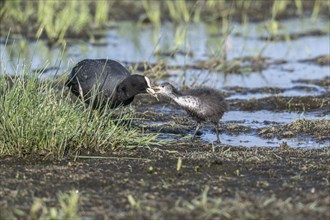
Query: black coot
point(202, 104)
point(103, 81)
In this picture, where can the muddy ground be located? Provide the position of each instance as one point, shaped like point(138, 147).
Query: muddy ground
point(242, 183)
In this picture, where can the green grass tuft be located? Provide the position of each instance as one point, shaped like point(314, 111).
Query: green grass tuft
point(67, 208)
point(35, 119)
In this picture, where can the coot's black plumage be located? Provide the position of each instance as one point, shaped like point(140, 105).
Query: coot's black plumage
point(202, 104)
point(105, 81)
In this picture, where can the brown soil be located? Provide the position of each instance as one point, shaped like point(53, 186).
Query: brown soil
point(318, 129)
point(294, 36)
point(325, 82)
point(321, 60)
point(251, 183)
point(276, 103)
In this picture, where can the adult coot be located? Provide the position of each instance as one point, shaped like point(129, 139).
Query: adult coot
point(202, 104)
point(102, 81)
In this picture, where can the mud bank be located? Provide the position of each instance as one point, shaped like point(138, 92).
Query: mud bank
point(222, 182)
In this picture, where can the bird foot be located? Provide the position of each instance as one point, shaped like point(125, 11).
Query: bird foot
point(217, 141)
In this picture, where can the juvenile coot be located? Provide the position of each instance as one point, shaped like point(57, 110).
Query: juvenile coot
point(202, 104)
point(103, 81)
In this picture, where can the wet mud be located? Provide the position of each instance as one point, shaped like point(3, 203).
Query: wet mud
point(249, 182)
point(318, 129)
point(294, 36)
point(276, 103)
point(321, 60)
point(319, 82)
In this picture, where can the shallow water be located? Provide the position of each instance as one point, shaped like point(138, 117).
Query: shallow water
point(253, 141)
point(253, 120)
point(130, 42)
point(262, 118)
point(274, 76)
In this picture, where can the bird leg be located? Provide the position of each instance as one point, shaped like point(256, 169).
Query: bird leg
point(196, 130)
point(217, 132)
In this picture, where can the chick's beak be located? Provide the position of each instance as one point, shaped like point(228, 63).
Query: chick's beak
point(156, 89)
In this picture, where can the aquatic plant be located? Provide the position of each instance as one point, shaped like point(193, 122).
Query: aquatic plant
point(178, 11)
point(102, 12)
point(180, 37)
point(57, 20)
point(54, 20)
point(153, 12)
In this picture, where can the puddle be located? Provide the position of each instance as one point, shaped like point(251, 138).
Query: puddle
point(263, 118)
point(254, 141)
point(297, 92)
point(293, 25)
point(244, 139)
point(306, 46)
point(239, 128)
point(271, 77)
point(249, 96)
point(292, 50)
